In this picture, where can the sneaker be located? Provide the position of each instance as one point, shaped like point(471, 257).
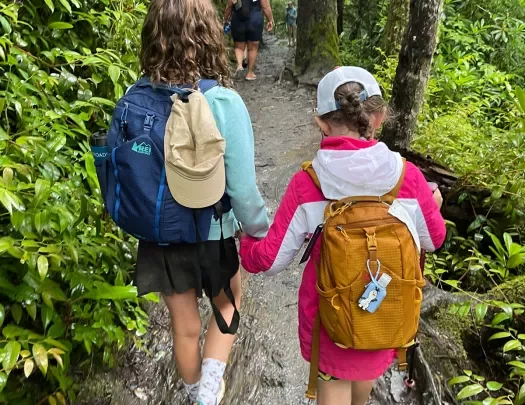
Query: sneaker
point(220, 395)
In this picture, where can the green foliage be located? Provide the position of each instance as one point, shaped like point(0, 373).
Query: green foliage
point(65, 269)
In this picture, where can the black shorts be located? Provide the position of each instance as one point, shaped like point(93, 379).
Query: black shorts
point(178, 268)
point(250, 30)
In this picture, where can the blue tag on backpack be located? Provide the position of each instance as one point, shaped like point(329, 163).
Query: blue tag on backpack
point(375, 291)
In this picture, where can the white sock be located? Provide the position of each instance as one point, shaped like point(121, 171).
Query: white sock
point(211, 376)
point(192, 390)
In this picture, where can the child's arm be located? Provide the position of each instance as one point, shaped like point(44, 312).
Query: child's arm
point(239, 160)
point(277, 250)
point(430, 225)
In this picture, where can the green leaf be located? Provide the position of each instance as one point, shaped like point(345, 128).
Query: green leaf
point(512, 345)
point(46, 314)
point(2, 314)
point(521, 98)
point(16, 312)
point(10, 200)
point(29, 365)
point(59, 25)
point(119, 91)
point(518, 364)
point(67, 6)
point(40, 356)
point(470, 391)
point(152, 297)
point(56, 331)
point(43, 266)
point(499, 318)
point(480, 220)
point(494, 386)
point(31, 310)
point(50, 4)
point(104, 291)
point(11, 331)
point(500, 335)
point(51, 400)
point(3, 380)
point(459, 380)
point(5, 24)
point(452, 283)
point(42, 191)
point(12, 350)
point(514, 261)
point(506, 308)
point(114, 73)
point(481, 311)
point(6, 243)
point(83, 207)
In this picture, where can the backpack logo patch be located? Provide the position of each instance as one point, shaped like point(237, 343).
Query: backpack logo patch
point(143, 148)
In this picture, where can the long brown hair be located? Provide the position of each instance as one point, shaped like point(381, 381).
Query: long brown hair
point(182, 42)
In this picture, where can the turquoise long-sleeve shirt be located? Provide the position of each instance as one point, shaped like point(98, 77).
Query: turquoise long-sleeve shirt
point(233, 122)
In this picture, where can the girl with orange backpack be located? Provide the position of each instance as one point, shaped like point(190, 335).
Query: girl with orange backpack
point(351, 172)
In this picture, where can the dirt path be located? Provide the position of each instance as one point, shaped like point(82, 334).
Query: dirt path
point(266, 366)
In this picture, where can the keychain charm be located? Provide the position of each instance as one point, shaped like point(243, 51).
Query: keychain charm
point(375, 291)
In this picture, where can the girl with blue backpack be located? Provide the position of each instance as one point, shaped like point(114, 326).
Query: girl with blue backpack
point(185, 251)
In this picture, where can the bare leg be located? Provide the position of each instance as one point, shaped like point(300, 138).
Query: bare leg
point(334, 392)
point(253, 48)
point(186, 327)
point(218, 345)
point(240, 48)
point(361, 391)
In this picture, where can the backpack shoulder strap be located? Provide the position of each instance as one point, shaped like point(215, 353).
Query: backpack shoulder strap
point(395, 191)
point(207, 84)
point(308, 168)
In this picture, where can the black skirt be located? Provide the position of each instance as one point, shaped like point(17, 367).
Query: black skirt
point(178, 268)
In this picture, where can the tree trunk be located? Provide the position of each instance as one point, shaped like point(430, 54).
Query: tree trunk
point(317, 40)
point(413, 70)
point(340, 16)
point(396, 24)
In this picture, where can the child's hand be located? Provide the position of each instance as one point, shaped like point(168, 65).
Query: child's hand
point(438, 198)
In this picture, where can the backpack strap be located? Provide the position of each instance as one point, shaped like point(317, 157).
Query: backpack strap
point(308, 168)
point(183, 91)
point(395, 191)
point(311, 393)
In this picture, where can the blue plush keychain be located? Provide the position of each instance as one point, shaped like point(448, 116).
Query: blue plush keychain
point(375, 291)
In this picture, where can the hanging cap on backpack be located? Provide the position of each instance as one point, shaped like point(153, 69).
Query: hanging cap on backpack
point(328, 85)
point(194, 153)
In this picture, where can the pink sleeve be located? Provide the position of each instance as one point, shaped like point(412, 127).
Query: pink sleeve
point(277, 250)
point(430, 225)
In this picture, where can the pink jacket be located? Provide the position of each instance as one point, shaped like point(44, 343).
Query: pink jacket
point(346, 167)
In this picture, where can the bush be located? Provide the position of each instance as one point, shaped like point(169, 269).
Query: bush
point(65, 269)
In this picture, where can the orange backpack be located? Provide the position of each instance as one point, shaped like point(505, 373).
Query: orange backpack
point(360, 238)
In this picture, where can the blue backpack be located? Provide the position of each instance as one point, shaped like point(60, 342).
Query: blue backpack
point(132, 178)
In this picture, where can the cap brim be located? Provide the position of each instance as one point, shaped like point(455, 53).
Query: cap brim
point(197, 193)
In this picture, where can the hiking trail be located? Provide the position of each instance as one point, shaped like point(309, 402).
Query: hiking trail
point(265, 366)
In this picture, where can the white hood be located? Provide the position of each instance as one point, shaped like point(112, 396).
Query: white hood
point(372, 171)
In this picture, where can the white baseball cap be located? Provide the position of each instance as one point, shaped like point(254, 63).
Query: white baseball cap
point(326, 101)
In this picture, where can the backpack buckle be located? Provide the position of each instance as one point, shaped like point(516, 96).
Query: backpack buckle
point(371, 241)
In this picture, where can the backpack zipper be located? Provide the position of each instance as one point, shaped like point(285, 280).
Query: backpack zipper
point(361, 224)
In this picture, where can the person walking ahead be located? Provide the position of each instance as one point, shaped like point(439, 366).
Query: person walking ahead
point(182, 45)
point(291, 23)
point(247, 26)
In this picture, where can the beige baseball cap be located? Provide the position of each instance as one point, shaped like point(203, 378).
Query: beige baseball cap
point(194, 153)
